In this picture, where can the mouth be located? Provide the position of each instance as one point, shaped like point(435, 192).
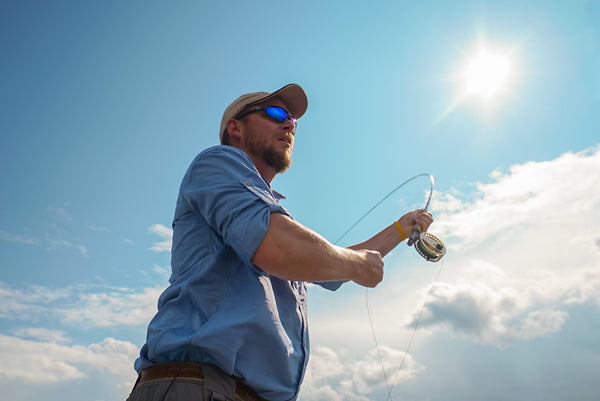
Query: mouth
point(285, 139)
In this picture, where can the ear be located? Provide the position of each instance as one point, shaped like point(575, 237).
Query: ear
point(235, 129)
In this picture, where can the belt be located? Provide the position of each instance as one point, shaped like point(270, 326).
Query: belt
point(191, 371)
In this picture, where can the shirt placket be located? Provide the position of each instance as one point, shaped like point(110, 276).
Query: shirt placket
point(300, 293)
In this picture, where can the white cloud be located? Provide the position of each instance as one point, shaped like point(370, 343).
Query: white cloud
point(501, 309)
point(61, 212)
point(86, 306)
point(163, 272)
point(6, 236)
point(339, 376)
point(47, 362)
point(519, 258)
point(128, 241)
point(54, 244)
point(42, 334)
point(560, 190)
point(368, 374)
point(520, 253)
point(27, 302)
point(166, 234)
point(115, 307)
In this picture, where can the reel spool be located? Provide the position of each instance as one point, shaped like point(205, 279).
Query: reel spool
point(430, 247)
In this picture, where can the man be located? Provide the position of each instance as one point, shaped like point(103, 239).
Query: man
point(232, 324)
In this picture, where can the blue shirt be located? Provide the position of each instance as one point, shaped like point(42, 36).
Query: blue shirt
point(219, 308)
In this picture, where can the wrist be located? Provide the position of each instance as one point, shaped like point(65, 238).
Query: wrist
point(400, 230)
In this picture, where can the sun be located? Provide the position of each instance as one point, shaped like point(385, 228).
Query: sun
point(485, 76)
point(487, 73)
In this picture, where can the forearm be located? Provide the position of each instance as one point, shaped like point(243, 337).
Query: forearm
point(382, 242)
point(388, 238)
point(291, 251)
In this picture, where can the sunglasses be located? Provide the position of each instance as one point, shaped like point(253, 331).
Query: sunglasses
point(274, 112)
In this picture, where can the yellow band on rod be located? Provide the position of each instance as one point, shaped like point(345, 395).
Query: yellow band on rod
point(399, 227)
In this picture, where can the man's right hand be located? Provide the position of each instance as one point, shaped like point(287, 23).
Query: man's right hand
point(371, 272)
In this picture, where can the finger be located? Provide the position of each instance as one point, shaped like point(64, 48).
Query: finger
point(424, 219)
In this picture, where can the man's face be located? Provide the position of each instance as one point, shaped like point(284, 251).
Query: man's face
point(269, 139)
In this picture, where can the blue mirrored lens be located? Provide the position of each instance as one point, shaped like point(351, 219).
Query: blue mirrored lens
point(277, 113)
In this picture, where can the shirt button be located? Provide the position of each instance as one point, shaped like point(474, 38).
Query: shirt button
point(247, 183)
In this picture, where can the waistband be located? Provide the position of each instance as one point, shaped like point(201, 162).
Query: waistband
point(191, 371)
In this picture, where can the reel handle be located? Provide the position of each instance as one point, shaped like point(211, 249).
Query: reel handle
point(414, 235)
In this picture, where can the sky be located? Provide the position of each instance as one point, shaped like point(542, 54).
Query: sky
point(105, 104)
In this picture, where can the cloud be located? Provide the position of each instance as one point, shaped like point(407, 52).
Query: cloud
point(94, 227)
point(164, 272)
point(44, 362)
point(54, 244)
point(27, 302)
point(61, 212)
point(399, 367)
point(522, 250)
point(166, 234)
point(82, 305)
point(501, 309)
point(561, 190)
point(6, 236)
point(338, 376)
point(42, 334)
point(519, 260)
point(523, 259)
point(116, 307)
point(128, 241)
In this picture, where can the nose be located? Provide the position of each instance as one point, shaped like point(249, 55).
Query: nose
point(290, 124)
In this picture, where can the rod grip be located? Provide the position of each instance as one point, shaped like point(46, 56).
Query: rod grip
point(414, 235)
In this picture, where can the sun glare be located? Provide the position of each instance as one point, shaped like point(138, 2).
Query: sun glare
point(483, 76)
point(486, 74)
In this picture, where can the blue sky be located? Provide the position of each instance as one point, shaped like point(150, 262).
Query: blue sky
point(104, 105)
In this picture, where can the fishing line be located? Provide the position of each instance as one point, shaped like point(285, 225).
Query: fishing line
point(430, 248)
point(432, 180)
point(412, 335)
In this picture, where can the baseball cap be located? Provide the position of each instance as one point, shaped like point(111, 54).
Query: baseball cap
point(292, 95)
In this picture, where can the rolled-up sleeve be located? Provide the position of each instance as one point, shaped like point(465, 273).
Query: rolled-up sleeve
point(224, 186)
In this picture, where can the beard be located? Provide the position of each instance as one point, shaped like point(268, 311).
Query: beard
point(273, 158)
point(280, 162)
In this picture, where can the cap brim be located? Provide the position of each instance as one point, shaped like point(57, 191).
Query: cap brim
point(293, 96)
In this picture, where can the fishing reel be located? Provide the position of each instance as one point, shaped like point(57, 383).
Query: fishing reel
point(430, 247)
